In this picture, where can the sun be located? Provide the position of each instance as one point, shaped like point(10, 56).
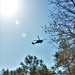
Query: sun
point(8, 7)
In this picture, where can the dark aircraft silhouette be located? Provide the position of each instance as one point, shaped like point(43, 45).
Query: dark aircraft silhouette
point(38, 41)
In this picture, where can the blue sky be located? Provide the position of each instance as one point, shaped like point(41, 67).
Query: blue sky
point(17, 33)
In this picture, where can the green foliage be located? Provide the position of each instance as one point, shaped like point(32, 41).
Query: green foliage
point(5, 72)
point(34, 66)
point(31, 66)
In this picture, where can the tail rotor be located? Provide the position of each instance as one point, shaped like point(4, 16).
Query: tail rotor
point(33, 43)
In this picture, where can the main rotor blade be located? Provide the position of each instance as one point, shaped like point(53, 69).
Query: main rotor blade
point(43, 39)
point(38, 37)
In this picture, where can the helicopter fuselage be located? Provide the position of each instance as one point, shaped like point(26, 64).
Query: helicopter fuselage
point(37, 41)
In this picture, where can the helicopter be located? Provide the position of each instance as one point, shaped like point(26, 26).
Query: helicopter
point(38, 41)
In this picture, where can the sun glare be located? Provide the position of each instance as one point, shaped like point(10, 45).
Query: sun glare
point(8, 7)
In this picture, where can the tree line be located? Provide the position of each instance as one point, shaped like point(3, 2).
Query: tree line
point(31, 66)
